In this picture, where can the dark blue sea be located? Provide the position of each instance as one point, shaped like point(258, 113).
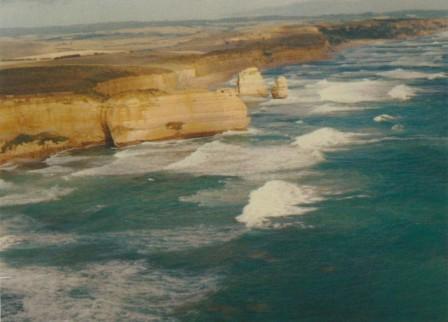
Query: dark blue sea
point(333, 206)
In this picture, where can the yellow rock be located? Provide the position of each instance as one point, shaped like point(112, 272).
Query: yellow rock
point(251, 83)
point(143, 117)
point(280, 89)
point(35, 127)
point(166, 81)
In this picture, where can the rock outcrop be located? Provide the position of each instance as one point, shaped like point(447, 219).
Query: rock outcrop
point(32, 127)
point(251, 83)
point(280, 88)
point(133, 102)
point(137, 117)
point(163, 81)
point(35, 127)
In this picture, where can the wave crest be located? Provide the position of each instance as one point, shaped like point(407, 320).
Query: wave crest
point(324, 139)
point(402, 92)
point(5, 185)
point(410, 74)
point(362, 91)
point(277, 199)
point(36, 195)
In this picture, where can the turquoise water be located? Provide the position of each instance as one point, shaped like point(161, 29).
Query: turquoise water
point(332, 207)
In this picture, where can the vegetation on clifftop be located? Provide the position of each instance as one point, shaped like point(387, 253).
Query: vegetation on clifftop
point(46, 79)
point(376, 29)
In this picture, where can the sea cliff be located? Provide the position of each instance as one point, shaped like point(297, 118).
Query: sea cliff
point(40, 125)
point(138, 117)
point(122, 99)
point(34, 127)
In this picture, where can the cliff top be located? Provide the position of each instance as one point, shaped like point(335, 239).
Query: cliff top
point(79, 79)
point(207, 51)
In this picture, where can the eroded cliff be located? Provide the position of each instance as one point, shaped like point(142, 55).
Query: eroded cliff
point(40, 125)
point(34, 127)
point(251, 83)
point(139, 96)
point(137, 117)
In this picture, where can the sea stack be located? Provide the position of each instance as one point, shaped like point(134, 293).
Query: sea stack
point(251, 83)
point(280, 89)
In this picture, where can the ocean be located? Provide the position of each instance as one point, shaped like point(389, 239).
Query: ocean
point(333, 206)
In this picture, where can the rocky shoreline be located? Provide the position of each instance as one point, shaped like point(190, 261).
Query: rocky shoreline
point(167, 103)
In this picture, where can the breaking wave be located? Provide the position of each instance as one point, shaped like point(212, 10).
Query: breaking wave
point(384, 118)
point(250, 131)
point(362, 91)
point(409, 74)
point(143, 158)
point(402, 92)
point(277, 199)
point(177, 239)
point(325, 139)
point(52, 170)
point(64, 158)
point(420, 61)
point(218, 158)
point(112, 291)
point(36, 195)
point(335, 108)
point(5, 185)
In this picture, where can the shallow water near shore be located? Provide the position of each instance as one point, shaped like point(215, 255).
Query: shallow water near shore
point(332, 207)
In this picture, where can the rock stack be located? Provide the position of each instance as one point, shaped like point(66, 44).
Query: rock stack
point(251, 83)
point(280, 89)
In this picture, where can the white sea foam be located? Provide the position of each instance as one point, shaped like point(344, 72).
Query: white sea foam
point(52, 170)
point(306, 94)
point(64, 158)
point(418, 60)
point(8, 167)
point(249, 131)
point(384, 118)
point(7, 241)
point(409, 74)
point(144, 158)
point(18, 229)
point(176, 239)
point(398, 127)
point(277, 199)
point(217, 158)
point(5, 185)
point(362, 91)
point(110, 291)
point(34, 195)
point(325, 139)
point(402, 92)
point(233, 192)
point(343, 94)
point(335, 108)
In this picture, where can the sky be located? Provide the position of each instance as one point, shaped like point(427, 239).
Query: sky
point(31, 13)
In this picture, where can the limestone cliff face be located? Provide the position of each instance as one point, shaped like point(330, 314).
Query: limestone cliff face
point(251, 83)
point(162, 82)
point(35, 126)
point(137, 117)
point(280, 88)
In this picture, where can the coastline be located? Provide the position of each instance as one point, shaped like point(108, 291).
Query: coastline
point(321, 208)
point(191, 80)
